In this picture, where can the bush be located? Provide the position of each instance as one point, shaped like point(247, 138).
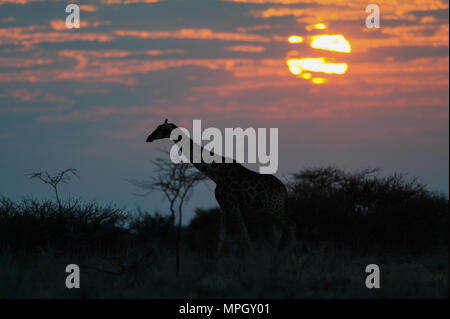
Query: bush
point(361, 210)
point(203, 230)
point(366, 209)
point(155, 229)
point(32, 225)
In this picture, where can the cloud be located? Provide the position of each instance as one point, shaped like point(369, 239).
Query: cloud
point(32, 109)
point(95, 53)
point(163, 52)
point(97, 113)
point(247, 48)
point(128, 1)
point(18, 1)
point(34, 34)
point(399, 7)
point(315, 11)
point(8, 20)
point(405, 36)
point(93, 91)
point(60, 25)
point(429, 19)
point(198, 34)
point(258, 27)
point(269, 1)
point(88, 7)
point(24, 62)
point(94, 66)
point(25, 95)
point(56, 99)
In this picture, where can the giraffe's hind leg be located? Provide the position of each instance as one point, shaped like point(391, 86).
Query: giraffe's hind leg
point(284, 238)
point(244, 235)
point(296, 254)
point(221, 233)
point(277, 233)
point(290, 229)
point(243, 230)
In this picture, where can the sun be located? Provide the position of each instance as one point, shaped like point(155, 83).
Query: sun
point(314, 68)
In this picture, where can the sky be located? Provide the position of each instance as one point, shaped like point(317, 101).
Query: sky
point(87, 98)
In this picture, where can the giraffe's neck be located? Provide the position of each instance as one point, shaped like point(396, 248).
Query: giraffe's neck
point(212, 170)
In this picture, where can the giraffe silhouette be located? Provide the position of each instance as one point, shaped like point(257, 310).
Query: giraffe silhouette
point(239, 190)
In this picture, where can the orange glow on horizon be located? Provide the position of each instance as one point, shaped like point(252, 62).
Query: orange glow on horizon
point(336, 43)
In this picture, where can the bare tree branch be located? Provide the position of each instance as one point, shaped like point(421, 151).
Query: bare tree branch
point(176, 181)
point(61, 177)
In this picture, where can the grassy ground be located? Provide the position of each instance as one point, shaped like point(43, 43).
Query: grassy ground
point(326, 272)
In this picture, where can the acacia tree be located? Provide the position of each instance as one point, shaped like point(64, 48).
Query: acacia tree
point(61, 177)
point(176, 181)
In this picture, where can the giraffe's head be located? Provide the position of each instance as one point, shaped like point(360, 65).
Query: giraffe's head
point(162, 131)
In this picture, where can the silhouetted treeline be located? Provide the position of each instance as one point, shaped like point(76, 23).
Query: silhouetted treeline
point(367, 209)
point(361, 210)
point(33, 225)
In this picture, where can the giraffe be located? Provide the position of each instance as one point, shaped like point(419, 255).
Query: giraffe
point(238, 190)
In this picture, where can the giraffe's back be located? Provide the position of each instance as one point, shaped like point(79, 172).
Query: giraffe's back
point(249, 190)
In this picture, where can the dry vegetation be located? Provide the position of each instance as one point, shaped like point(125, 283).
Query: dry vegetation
point(344, 222)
